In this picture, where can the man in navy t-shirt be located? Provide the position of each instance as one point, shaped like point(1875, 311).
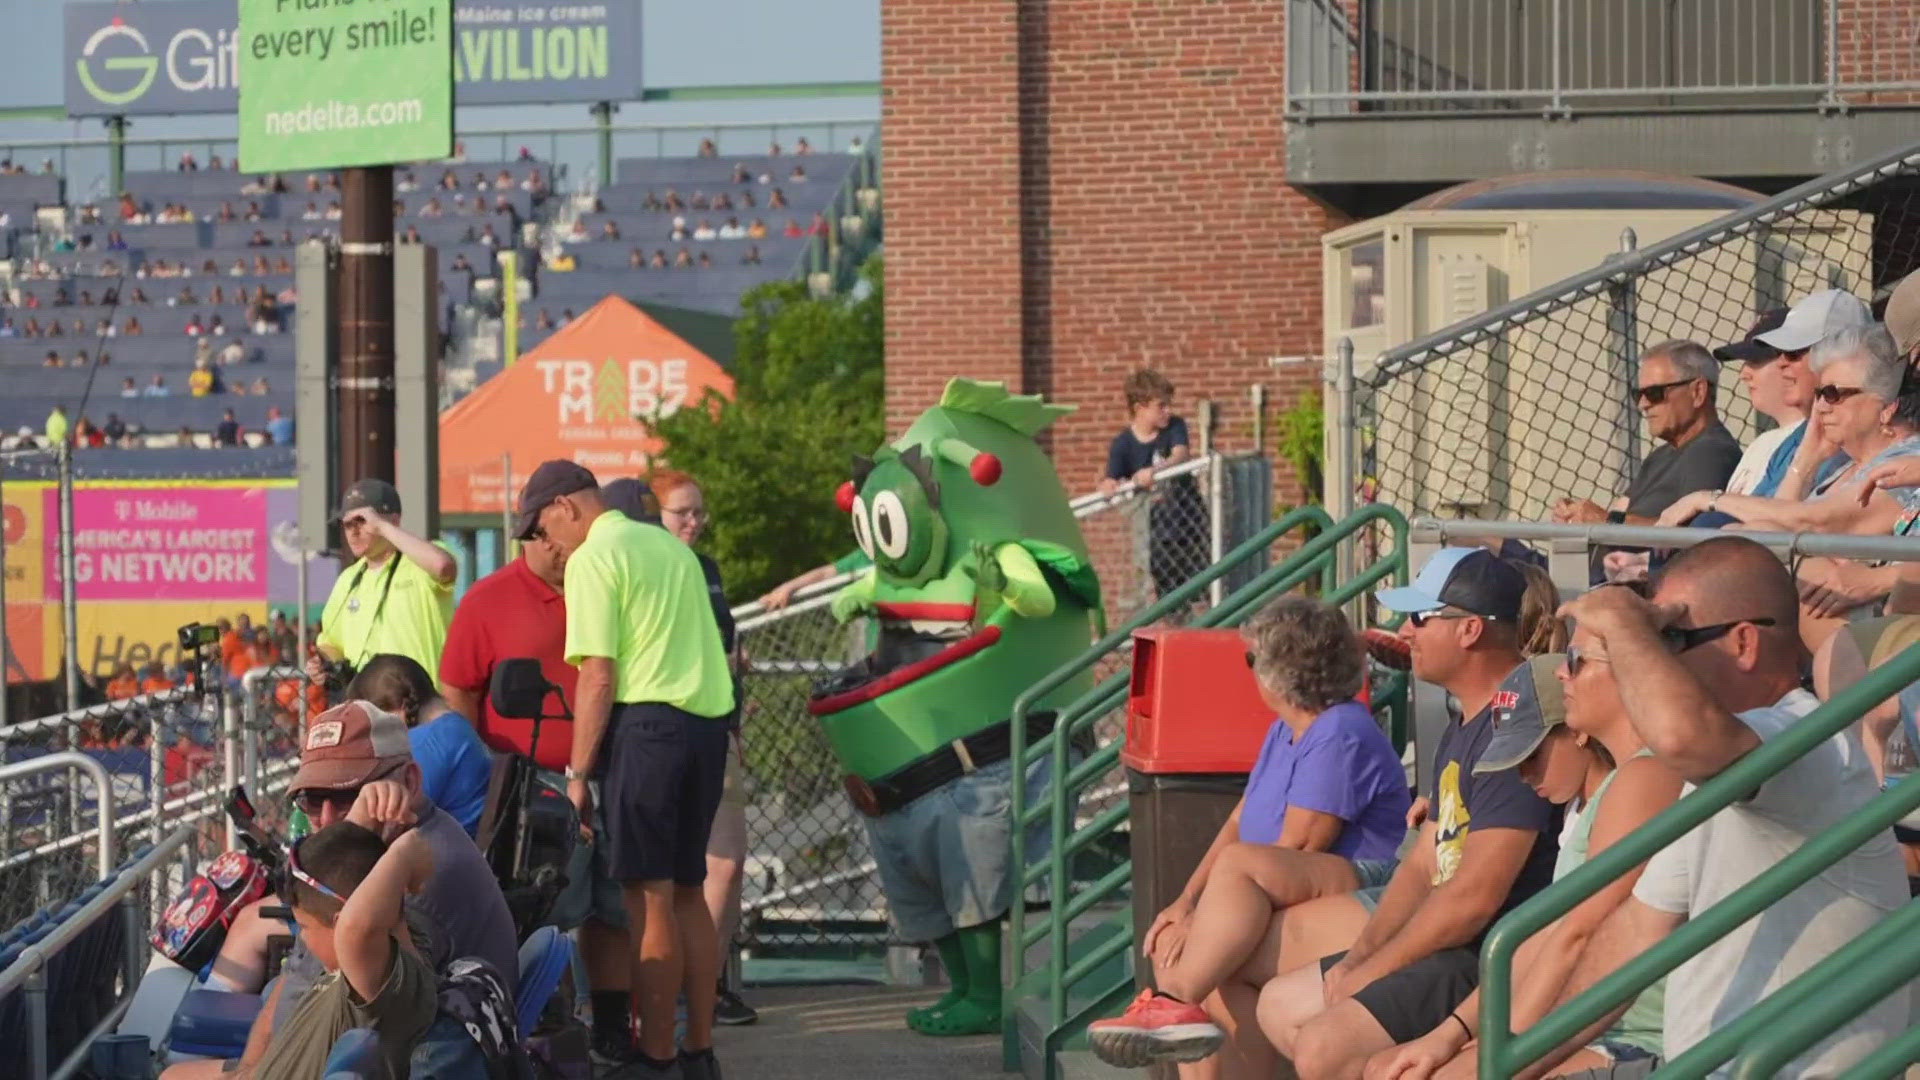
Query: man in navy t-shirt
point(1489, 843)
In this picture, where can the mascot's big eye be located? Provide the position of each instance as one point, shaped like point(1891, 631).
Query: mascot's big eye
point(890, 524)
point(861, 534)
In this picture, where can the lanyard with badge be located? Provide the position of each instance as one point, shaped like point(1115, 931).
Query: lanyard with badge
point(353, 596)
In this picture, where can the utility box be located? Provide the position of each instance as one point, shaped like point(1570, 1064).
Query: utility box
point(1195, 725)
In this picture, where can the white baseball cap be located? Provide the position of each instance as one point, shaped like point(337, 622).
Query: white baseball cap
point(1817, 316)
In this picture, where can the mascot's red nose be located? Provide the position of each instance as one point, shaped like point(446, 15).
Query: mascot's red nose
point(844, 497)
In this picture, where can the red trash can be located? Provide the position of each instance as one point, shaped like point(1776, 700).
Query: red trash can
point(1195, 725)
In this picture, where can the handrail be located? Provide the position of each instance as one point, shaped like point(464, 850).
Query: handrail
point(1568, 292)
point(61, 721)
point(1826, 545)
point(1503, 1053)
point(1313, 556)
point(70, 759)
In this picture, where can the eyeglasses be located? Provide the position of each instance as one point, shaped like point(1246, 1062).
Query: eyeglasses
point(312, 800)
point(1420, 619)
point(539, 533)
point(1682, 638)
point(298, 873)
point(1657, 393)
point(698, 513)
point(1834, 395)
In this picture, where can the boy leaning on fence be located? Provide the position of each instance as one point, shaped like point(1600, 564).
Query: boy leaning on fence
point(1155, 438)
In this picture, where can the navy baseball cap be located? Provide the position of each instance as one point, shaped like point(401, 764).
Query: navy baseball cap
point(630, 497)
point(1753, 350)
point(1472, 579)
point(548, 482)
point(1529, 704)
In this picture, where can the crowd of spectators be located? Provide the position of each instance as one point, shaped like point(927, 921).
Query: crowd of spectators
point(1304, 937)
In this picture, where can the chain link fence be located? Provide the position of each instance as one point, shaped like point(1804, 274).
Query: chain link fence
point(810, 878)
point(1498, 416)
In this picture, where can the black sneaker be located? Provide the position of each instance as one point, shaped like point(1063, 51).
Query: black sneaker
point(699, 1065)
point(729, 1010)
point(610, 1052)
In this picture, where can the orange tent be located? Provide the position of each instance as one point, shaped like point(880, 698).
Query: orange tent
point(578, 395)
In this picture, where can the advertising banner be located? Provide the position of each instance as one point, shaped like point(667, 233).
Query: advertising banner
point(583, 394)
point(148, 558)
point(186, 56)
point(332, 86)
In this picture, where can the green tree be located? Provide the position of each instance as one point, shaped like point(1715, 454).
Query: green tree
point(809, 393)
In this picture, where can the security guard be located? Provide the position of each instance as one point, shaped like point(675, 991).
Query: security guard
point(650, 725)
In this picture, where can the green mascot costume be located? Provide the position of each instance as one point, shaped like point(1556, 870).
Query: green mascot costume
point(981, 586)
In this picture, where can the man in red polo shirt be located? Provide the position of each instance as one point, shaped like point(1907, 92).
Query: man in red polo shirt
point(515, 611)
point(518, 611)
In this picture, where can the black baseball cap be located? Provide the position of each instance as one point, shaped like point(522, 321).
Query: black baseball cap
point(1753, 350)
point(548, 482)
point(630, 497)
point(1472, 579)
point(375, 495)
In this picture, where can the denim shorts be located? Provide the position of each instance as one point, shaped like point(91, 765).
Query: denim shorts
point(1374, 875)
point(943, 858)
point(591, 891)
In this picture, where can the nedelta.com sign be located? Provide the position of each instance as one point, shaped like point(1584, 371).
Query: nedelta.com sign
point(187, 56)
point(345, 82)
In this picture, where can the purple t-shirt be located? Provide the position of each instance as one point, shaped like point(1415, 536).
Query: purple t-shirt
point(1342, 766)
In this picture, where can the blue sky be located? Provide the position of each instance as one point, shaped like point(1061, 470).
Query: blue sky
point(684, 43)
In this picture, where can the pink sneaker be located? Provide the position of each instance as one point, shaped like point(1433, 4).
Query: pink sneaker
point(1154, 1028)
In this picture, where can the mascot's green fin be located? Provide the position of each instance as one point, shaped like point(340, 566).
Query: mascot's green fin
point(1028, 414)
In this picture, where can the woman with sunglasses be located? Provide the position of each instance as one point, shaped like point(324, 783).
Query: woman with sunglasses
point(1584, 754)
point(1324, 813)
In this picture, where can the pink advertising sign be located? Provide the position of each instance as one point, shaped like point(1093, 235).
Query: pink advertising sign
point(164, 543)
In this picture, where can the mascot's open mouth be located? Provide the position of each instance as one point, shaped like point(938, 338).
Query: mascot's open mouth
point(904, 655)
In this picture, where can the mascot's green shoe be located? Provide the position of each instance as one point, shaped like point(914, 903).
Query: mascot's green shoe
point(977, 1012)
point(954, 959)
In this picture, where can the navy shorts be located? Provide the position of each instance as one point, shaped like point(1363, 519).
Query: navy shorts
point(664, 774)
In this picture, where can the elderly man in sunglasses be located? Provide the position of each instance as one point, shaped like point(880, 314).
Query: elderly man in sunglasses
point(356, 765)
point(1676, 396)
point(1716, 661)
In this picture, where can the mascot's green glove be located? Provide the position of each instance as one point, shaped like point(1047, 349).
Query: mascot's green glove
point(1008, 574)
point(855, 599)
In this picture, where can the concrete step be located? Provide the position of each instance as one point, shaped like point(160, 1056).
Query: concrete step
point(1082, 1065)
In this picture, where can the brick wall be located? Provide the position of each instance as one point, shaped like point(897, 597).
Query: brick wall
point(1879, 42)
point(1079, 187)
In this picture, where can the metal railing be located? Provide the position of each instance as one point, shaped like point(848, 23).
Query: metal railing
point(30, 970)
point(1501, 413)
point(1394, 57)
point(1797, 1015)
point(1074, 829)
point(75, 764)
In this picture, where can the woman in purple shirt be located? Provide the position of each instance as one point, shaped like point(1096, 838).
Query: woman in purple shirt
point(1324, 813)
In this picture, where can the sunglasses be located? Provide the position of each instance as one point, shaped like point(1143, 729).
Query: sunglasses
point(312, 800)
point(295, 872)
point(1420, 619)
point(1834, 395)
point(1577, 660)
point(1657, 393)
point(1682, 638)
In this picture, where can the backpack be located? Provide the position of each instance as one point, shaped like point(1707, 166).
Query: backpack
point(476, 1035)
point(192, 929)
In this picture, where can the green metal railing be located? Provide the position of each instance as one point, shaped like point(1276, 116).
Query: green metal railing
point(1787, 1021)
point(1314, 559)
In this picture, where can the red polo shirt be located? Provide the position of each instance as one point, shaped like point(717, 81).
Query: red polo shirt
point(510, 613)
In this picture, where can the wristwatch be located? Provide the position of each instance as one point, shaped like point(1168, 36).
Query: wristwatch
point(1714, 497)
point(572, 775)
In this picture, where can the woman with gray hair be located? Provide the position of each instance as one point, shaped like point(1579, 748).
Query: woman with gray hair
point(1324, 813)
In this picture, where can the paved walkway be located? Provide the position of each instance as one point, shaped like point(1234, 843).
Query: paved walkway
point(847, 1033)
